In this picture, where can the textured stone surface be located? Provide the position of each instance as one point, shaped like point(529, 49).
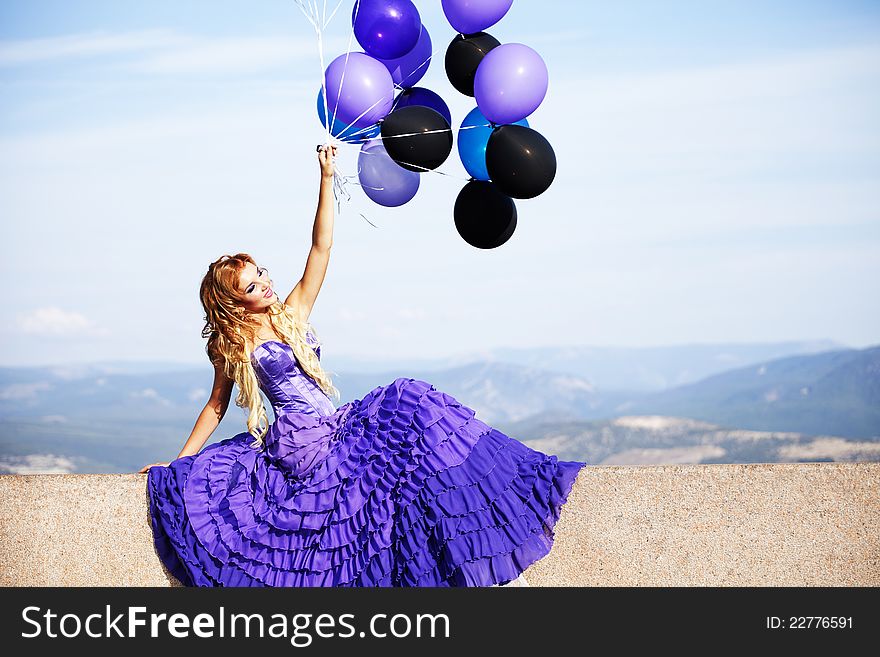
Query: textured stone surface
point(807, 524)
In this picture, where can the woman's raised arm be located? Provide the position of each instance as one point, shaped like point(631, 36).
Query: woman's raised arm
point(305, 292)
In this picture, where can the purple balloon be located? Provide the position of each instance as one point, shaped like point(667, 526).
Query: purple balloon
point(510, 83)
point(425, 98)
point(361, 92)
point(342, 131)
point(386, 29)
point(382, 179)
point(470, 16)
point(406, 71)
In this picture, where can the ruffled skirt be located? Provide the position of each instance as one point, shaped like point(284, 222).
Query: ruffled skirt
point(405, 487)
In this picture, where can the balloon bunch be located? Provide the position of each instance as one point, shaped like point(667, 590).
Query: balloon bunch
point(358, 96)
point(504, 156)
point(404, 135)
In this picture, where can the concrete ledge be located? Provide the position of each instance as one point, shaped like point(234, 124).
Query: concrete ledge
point(801, 524)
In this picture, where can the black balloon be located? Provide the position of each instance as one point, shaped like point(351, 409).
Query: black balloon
point(484, 217)
point(463, 55)
point(428, 148)
point(520, 161)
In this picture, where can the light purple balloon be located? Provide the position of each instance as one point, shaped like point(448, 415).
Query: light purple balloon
point(382, 179)
point(510, 83)
point(360, 88)
point(470, 16)
point(406, 71)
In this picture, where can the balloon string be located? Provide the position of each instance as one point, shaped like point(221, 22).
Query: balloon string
point(430, 132)
point(340, 189)
point(327, 21)
point(396, 99)
point(362, 114)
point(319, 22)
point(323, 81)
point(340, 181)
point(311, 16)
point(400, 86)
point(357, 7)
point(424, 169)
point(348, 136)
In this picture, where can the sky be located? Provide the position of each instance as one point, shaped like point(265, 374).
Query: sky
point(718, 180)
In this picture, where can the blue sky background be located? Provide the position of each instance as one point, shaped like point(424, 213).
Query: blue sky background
point(719, 180)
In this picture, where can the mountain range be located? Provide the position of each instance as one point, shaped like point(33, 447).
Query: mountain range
point(698, 403)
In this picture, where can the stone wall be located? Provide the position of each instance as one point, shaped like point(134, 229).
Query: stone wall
point(803, 524)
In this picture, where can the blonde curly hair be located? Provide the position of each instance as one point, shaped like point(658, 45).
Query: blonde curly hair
point(228, 330)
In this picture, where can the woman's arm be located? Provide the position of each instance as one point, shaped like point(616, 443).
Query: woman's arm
point(305, 292)
point(208, 419)
point(211, 414)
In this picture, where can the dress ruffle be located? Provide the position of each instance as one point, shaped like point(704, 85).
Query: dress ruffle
point(405, 487)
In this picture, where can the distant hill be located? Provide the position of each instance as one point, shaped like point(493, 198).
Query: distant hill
point(27, 447)
point(830, 393)
point(835, 392)
point(647, 439)
point(102, 417)
point(496, 391)
point(633, 369)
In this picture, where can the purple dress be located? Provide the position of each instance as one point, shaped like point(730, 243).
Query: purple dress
point(405, 487)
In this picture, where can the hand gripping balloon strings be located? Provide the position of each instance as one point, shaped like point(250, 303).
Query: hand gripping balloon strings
point(340, 189)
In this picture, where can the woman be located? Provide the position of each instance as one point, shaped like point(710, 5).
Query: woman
point(405, 487)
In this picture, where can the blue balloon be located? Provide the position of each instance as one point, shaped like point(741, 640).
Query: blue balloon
point(473, 135)
point(425, 98)
point(342, 131)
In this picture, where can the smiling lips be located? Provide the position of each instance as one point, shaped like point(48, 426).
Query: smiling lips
point(268, 293)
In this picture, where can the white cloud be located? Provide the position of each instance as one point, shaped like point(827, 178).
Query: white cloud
point(26, 51)
point(36, 464)
point(238, 55)
point(53, 321)
point(197, 393)
point(412, 313)
point(779, 76)
point(152, 395)
point(349, 315)
point(166, 52)
point(20, 391)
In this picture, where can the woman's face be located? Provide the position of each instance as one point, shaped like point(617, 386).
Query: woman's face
point(256, 288)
